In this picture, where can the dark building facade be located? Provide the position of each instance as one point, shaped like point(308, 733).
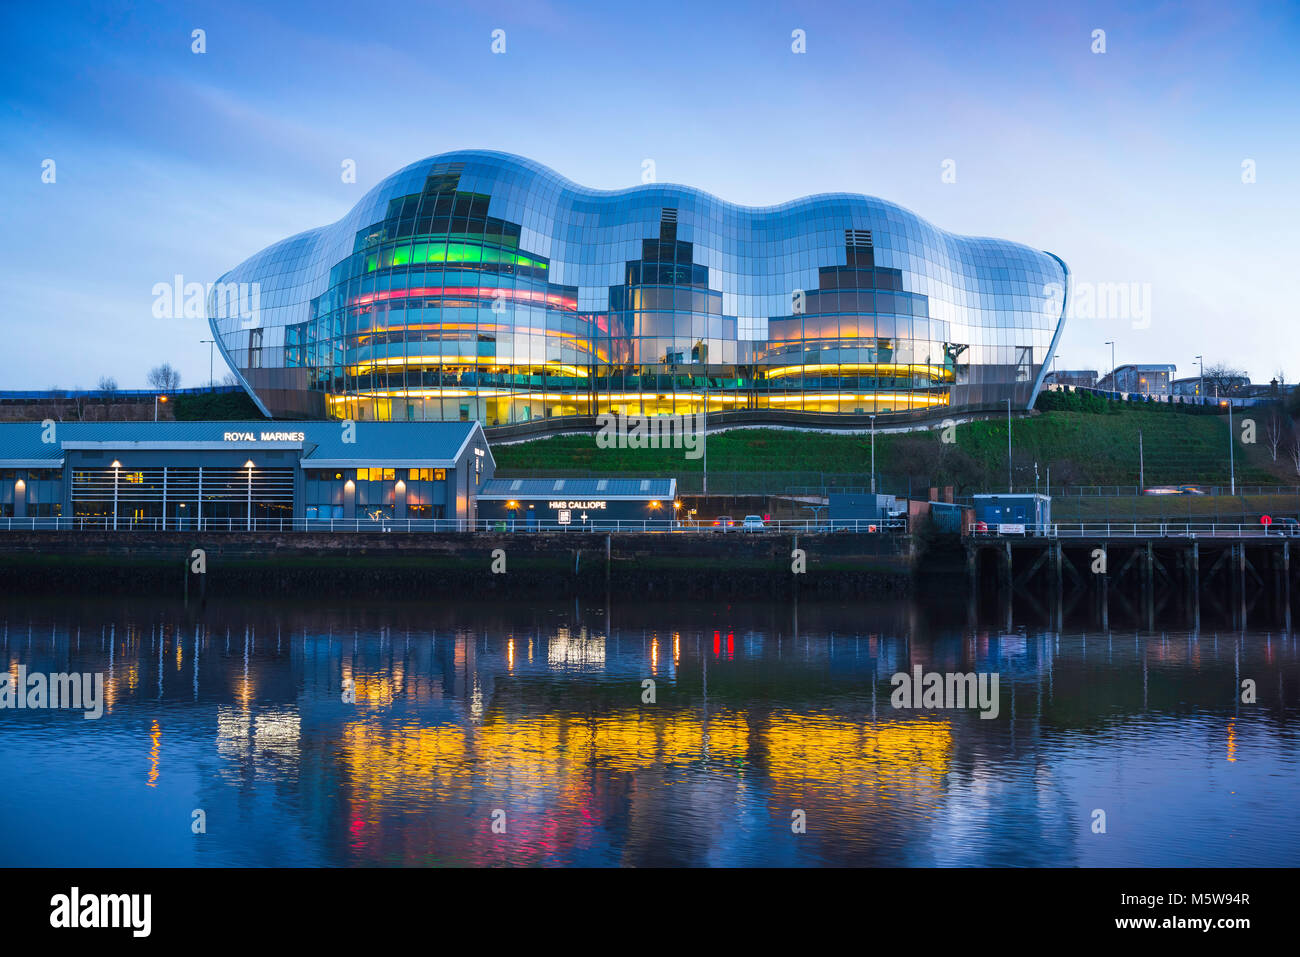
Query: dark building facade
point(586, 504)
point(1084, 378)
point(1139, 379)
point(242, 475)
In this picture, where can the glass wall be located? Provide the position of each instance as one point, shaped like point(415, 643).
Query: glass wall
point(33, 493)
point(182, 495)
point(478, 285)
point(375, 493)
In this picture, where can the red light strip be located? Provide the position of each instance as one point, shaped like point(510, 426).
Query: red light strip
point(474, 292)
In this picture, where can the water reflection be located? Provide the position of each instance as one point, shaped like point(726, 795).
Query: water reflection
point(395, 735)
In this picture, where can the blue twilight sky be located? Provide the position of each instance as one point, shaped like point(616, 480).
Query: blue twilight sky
point(1128, 164)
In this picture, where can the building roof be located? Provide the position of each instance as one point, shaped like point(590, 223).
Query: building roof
point(323, 442)
point(570, 488)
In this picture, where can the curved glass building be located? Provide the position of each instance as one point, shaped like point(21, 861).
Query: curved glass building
point(477, 285)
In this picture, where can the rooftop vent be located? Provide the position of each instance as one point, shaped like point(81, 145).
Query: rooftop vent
point(668, 225)
point(859, 248)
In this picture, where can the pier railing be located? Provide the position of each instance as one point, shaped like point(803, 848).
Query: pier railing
point(1134, 530)
point(499, 525)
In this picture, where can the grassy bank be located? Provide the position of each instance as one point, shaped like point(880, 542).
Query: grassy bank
point(1080, 448)
point(1244, 509)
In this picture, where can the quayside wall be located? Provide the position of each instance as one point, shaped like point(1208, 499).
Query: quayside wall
point(733, 564)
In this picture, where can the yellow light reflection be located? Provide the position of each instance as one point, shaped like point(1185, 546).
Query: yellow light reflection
point(155, 735)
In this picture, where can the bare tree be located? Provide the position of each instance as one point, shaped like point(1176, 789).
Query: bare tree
point(1273, 431)
point(107, 384)
point(1221, 379)
point(164, 378)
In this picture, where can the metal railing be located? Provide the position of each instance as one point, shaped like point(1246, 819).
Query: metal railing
point(57, 395)
point(1153, 489)
point(510, 526)
point(726, 483)
point(1134, 530)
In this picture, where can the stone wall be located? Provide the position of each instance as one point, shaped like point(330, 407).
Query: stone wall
point(734, 564)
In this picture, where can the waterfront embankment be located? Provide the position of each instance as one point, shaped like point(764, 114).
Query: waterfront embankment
point(658, 566)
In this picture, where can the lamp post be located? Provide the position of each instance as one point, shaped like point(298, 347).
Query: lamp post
point(704, 439)
point(1232, 465)
point(117, 467)
point(1113, 384)
point(1200, 386)
point(156, 400)
point(873, 453)
point(211, 345)
point(1010, 486)
point(249, 465)
point(1142, 468)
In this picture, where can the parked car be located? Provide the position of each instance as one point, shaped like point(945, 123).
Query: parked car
point(1173, 490)
point(1287, 526)
point(724, 521)
point(754, 523)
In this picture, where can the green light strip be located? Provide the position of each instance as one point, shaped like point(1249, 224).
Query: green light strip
point(436, 252)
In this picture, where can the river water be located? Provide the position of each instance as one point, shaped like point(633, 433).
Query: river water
point(486, 734)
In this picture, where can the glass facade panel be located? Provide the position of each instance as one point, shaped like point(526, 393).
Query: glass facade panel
point(480, 285)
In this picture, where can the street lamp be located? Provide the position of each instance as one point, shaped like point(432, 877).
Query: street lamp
point(1200, 386)
point(156, 400)
point(1010, 487)
point(1113, 385)
point(211, 345)
point(873, 453)
point(249, 465)
point(1232, 464)
point(117, 466)
point(704, 439)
